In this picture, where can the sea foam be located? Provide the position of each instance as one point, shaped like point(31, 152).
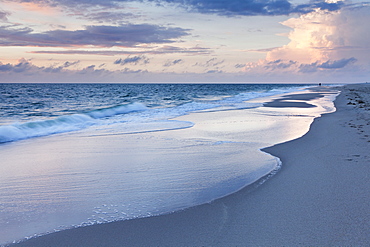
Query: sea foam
point(67, 123)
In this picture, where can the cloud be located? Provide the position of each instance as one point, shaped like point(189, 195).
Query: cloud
point(338, 64)
point(279, 64)
point(263, 71)
point(161, 50)
point(239, 65)
point(214, 71)
point(173, 49)
point(127, 35)
point(60, 68)
point(213, 65)
point(22, 66)
point(24, 70)
point(25, 66)
point(328, 65)
point(5, 67)
point(4, 15)
point(89, 70)
point(220, 7)
point(69, 64)
point(321, 5)
point(132, 60)
point(322, 36)
point(323, 45)
point(173, 62)
point(236, 7)
point(130, 71)
point(295, 67)
point(105, 16)
point(213, 62)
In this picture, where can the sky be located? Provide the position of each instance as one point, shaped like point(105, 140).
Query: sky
point(184, 41)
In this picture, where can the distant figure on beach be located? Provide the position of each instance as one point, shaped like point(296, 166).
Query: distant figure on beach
point(319, 84)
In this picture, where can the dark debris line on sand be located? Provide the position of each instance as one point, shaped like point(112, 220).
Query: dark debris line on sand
point(360, 100)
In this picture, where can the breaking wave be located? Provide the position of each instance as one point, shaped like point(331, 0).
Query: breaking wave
point(67, 123)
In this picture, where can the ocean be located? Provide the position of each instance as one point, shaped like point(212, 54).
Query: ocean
point(73, 155)
point(32, 110)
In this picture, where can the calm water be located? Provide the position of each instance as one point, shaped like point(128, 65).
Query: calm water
point(73, 155)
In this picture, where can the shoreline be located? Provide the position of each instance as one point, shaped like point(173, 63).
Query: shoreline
point(317, 198)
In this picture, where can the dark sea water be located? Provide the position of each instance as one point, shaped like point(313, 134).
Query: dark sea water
point(73, 155)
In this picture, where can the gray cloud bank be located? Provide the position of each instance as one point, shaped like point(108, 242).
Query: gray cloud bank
point(25, 70)
point(127, 35)
point(24, 66)
point(254, 7)
point(132, 60)
point(221, 7)
point(328, 65)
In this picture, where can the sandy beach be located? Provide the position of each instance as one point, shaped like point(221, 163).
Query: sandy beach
point(319, 197)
